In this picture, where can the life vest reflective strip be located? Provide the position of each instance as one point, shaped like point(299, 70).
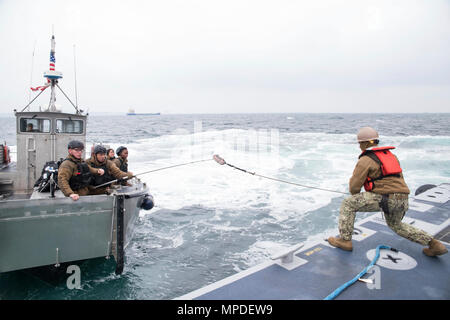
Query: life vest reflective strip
point(387, 161)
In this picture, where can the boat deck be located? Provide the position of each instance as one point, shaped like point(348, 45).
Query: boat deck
point(318, 268)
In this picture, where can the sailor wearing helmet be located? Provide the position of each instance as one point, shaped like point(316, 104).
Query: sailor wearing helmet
point(122, 159)
point(74, 174)
point(379, 172)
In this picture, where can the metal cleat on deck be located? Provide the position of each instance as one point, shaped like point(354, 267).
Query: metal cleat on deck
point(288, 260)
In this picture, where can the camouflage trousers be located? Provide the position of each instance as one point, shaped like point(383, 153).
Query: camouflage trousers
point(370, 202)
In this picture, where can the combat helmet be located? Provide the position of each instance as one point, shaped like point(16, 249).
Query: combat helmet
point(120, 149)
point(75, 144)
point(99, 149)
point(367, 134)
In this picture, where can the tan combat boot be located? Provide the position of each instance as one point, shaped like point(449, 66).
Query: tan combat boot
point(341, 243)
point(435, 248)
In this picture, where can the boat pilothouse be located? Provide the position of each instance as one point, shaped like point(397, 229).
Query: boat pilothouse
point(43, 137)
point(39, 226)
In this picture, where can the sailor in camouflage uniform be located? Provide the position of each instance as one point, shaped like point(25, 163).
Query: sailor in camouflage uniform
point(122, 159)
point(122, 162)
point(378, 170)
point(74, 174)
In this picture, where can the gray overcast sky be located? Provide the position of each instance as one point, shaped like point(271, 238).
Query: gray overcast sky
point(214, 56)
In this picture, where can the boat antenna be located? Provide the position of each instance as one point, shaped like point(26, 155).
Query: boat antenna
point(75, 73)
point(32, 68)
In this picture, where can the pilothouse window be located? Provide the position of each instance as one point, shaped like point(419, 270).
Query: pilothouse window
point(34, 125)
point(69, 126)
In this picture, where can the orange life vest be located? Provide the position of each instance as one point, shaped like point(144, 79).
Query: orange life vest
point(387, 161)
point(6, 157)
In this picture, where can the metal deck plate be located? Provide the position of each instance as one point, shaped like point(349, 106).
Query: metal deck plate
point(435, 195)
point(434, 215)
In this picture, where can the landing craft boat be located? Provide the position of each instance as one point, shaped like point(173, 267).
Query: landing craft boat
point(316, 270)
point(39, 226)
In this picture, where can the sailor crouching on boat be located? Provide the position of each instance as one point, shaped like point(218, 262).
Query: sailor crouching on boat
point(74, 174)
point(98, 160)
point(379, 171)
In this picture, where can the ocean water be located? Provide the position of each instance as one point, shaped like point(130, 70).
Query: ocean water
point(211, 221)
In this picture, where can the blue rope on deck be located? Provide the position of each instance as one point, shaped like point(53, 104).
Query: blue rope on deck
point(336, 292)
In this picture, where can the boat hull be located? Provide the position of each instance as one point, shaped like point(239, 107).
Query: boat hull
point(39, 232)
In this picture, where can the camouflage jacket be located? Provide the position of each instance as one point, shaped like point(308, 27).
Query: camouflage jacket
point(110, 168)
point(67, 170)
point(121, 163)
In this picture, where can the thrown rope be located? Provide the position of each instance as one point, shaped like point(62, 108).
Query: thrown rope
point(221, 161)
point(177, 165)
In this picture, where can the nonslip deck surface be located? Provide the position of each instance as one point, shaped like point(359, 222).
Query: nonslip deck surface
point(406, 274)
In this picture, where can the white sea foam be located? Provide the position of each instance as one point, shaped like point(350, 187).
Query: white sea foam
point(314, 159)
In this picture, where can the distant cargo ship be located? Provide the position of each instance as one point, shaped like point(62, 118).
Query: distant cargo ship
point(132, 113)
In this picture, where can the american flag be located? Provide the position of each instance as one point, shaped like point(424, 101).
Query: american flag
point(52, 67)
point(41, 87)
point(52, 60)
